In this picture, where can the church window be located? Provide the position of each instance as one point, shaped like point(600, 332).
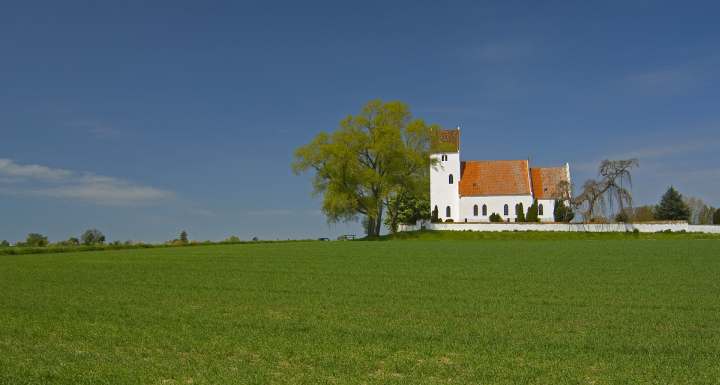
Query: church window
point(451, 179)
point(506, 211)
point(516, 209)
point(475, 210)
point(540, 209)
point(447, 211)
point(484, 210)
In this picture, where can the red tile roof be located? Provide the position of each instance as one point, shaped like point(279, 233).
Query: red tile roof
point(545, 180)
point(499, 177)
point(450, 136)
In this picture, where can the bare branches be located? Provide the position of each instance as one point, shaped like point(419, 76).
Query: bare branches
point(612, 191)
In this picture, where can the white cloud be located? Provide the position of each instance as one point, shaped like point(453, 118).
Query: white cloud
point(88, 187)
point(10, 169)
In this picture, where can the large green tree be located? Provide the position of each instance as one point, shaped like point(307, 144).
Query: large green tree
point(672, 207)
point(374, 156)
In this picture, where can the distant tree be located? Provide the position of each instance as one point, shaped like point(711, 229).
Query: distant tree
point(563, 213)
point(34, 239)
point(73, 241)
point(91, 237)
point(183, 237)
point(716, 217)
point(644, 214)
point(532, 213)
point(410, 209)
point(520, 213)
point(624, 215)
point(234, 239)
point(596, 198)
point(706, 214)
point(4, 243)
point(672, 207)
point(696, 206)
point(598, 219)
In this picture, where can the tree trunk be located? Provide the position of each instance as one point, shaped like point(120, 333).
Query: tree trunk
point(394, 210)
point(370, 227)
point(378, 219)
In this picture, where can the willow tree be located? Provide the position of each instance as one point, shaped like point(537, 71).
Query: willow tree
point(374, 156)
point(612, 191)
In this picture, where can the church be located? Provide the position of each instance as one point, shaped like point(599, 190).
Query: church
point(472, 191)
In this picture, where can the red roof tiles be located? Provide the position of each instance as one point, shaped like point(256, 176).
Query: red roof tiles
point(499, 177)
point(545, 180)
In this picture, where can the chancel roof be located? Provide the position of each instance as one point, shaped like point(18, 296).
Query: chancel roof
point(545, 181)
point(497, 177)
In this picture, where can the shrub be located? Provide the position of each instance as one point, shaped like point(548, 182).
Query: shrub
point(562, 213)
point(449, 220)
point(234, 239)
point(495, 218)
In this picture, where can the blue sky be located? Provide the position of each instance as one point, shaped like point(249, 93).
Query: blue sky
point(144, 119)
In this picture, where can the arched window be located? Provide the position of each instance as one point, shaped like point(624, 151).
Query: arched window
point(484, 210)
point(447, 211)
point(475, 210)
point(516, 209)
point(451, 179)
point(506, 211)
point(540, 209)
point(444, 157)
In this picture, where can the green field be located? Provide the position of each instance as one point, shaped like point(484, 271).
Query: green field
point(487, 311)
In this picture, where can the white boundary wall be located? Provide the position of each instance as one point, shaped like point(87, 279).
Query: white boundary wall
point(643, 227)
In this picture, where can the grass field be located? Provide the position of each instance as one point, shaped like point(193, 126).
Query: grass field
point(489, 311)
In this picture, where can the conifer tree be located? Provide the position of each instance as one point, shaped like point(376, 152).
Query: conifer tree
point(532, 214)
point(521, 213)
point(672, 207)
point(183, 237)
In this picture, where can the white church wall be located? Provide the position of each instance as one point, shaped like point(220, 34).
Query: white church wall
point(495, 204)
point(442, 193)
point(548, 214)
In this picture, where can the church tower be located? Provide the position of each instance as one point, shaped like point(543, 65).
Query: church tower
point(445, 178)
